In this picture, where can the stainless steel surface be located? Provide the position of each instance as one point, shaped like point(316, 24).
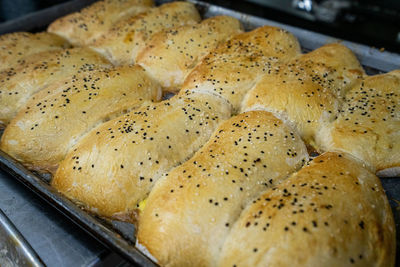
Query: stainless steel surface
point(57, 240)
point(120, 236)
point(14, 249)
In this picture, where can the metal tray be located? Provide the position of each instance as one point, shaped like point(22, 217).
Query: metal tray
point(119, 236)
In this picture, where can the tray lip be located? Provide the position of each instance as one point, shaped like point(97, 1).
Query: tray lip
point(88, 222)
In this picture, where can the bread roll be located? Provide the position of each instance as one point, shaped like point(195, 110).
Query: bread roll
point(307, 92)
point(368, 126)
point(173, 53)
point(189, 213)
point(235, 66)
point(331, 213)
point(122, 43)
point(115, 165)
point(37, 72)
point(81, 28)
point(54, 119)
point(15, 46)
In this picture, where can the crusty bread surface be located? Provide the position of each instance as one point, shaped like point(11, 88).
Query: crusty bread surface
point(54, 119)
point(37, 72)
point(368, 126)
point(190, 211)
point(81, 28)
point(234, 67)
point(115, 165)
point(15, 46)
point(331, 213)
point(307, 91)
point(122, 43)
point(172, 54)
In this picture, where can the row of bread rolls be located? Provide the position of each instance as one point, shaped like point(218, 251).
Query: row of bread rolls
point(234, 204)
point(112, 168)
point(79, 89)
point(189, 213)
point(188, 127)
point(174, 227)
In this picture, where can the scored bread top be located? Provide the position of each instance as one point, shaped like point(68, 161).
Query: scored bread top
point(37, 72)
point(81, 28)
point(114, 166)
point(15, 46)
point(235, 66)
point(122, 43)
point(331, 213)
point(172, 54)
point(54, 119)
point(307, 91)
point(368, 125)
point(191, 209)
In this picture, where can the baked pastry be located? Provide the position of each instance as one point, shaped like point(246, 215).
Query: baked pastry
point(331, 213)
point(368, 126)
point(110, 168)
point(246, 58)
point(15, 46)
point(307, 91)
point(38, 71)
point(81, 28)
point(171, 54)
point(113, 168)
point(122, 42)
point(54, 119)
point(191, 210)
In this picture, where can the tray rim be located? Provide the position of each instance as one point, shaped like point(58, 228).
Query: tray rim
point(368, 56)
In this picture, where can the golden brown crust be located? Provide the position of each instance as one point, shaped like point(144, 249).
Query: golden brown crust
point(54, 119)
point(368, 126)
point(234, 67)
point(37, 72)
point(331, 213)
point(81, 28)
point(173, 53)
point(307, 91)
point(122, 43)
point(15, 46)
point(114, 166)
point(190, 211)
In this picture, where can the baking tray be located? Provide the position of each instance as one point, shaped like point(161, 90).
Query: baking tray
point(119, 236)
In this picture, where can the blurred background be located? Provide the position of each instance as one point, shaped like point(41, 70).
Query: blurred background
point(371, 22)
